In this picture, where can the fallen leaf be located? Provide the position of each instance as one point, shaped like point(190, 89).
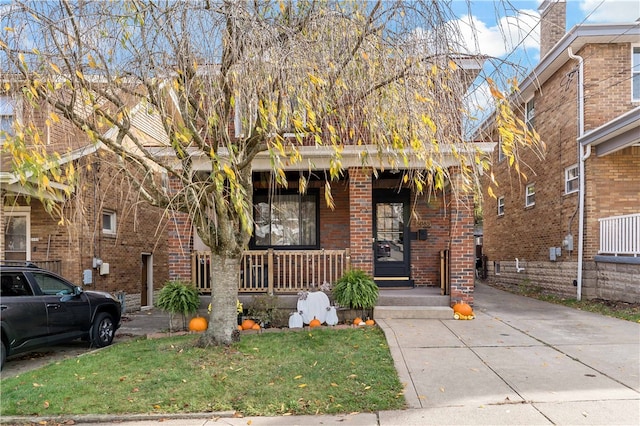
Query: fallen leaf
point(367, 387)
point(302, 385)
point(334, 384)
point(441, 389)
point(249, 422)
point(46, 404)
point(37, 385)
point(297, 377)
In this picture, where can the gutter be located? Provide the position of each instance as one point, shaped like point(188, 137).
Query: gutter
point(583, 155)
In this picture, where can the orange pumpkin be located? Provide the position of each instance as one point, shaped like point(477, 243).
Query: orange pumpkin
point(369, 322)
point(240, 328)
point(357, 321)
point(315, 322)
point(247, 324)
point(198, 324)
point(462, 309)
point(255, 327)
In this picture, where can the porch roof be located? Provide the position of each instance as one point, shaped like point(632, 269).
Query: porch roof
point(617, 134)
point(319, 157)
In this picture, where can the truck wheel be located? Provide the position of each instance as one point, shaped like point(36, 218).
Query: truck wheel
point(102, 330)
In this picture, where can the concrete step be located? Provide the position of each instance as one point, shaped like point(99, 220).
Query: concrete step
point(394, 299)
point(412, 312)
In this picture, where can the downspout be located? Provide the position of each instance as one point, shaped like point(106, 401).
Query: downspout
point(581, 160)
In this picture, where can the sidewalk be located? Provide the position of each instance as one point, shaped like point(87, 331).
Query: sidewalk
point(521, 361)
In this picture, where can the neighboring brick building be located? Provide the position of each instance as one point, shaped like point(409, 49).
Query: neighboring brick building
point(585, 104)
point(111, 241)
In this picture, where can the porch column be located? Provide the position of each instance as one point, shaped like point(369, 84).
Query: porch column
point(462, 251)
point(361, 219)
point(179, 242)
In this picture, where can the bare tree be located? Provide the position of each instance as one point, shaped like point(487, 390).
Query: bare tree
point(225, 80)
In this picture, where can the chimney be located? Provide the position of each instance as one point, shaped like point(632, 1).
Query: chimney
point(553, 21)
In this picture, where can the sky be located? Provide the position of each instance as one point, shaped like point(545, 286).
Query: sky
point(511, 32)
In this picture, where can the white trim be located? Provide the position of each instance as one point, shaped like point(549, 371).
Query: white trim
point(527, 195)
point(635, 72)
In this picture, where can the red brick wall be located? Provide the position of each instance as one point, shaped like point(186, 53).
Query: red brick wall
point(428, 212)
point(361, 219)
point(334, 232)
point(462, 245)
point(140, 229)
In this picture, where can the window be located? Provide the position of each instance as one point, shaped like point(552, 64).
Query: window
point(108, 222)
point(571, 176)
point(530, 195)
point(501, 155)
point(17, 234)
point(501, 206)
point(496, 268)
point(635, 73)
point(530, 113)
point(51, 285)
point(286, 220)
point(7, 114)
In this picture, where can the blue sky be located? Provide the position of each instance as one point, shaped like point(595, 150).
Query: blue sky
point(509, 31)
point(519, 20)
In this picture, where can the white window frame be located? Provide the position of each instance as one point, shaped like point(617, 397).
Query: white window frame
point(501, 155)
point(111, 230)
point(530, 195)
point(568, 178)
point(530, 114)
point(635, 74)
point(500, 203)
point(9, 108)
point(18, 211)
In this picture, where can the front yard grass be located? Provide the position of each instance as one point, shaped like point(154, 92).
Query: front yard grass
point(323, 371)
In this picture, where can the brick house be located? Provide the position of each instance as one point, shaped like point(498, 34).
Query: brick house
point(379, 225)
point(111, 241)
point(573, 225)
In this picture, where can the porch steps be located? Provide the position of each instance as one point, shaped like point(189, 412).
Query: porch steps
point(412, 312)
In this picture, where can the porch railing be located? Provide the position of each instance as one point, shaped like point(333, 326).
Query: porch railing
point(277, 271)
point(620, 235)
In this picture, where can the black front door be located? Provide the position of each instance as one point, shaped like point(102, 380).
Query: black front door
point(391, 245)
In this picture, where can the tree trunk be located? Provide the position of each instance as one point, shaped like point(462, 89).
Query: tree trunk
point(224, 294)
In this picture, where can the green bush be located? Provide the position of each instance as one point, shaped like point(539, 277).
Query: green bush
point(356, 290)
point(178, 297)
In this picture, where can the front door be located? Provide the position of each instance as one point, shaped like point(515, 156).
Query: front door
point(391, 245)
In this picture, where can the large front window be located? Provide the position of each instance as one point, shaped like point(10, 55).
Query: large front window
point(286, 220)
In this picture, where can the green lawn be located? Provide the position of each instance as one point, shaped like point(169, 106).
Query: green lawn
point(306, 372)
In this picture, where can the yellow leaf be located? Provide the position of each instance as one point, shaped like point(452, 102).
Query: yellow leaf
point(79, 74)
point(334, 384)
point(54, 67)
point(297, 377)
point(490, 192)
point(46, 404)
point(302, 385)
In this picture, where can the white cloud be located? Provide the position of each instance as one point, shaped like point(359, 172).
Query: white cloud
point(510, 33)
point(610, 10)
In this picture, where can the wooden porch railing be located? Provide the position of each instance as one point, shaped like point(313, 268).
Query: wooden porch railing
point(277, 271)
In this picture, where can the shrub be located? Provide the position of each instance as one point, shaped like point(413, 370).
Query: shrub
point(356, 290)
point(178, 297)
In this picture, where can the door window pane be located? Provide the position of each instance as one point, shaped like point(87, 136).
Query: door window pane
point(389, 232)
